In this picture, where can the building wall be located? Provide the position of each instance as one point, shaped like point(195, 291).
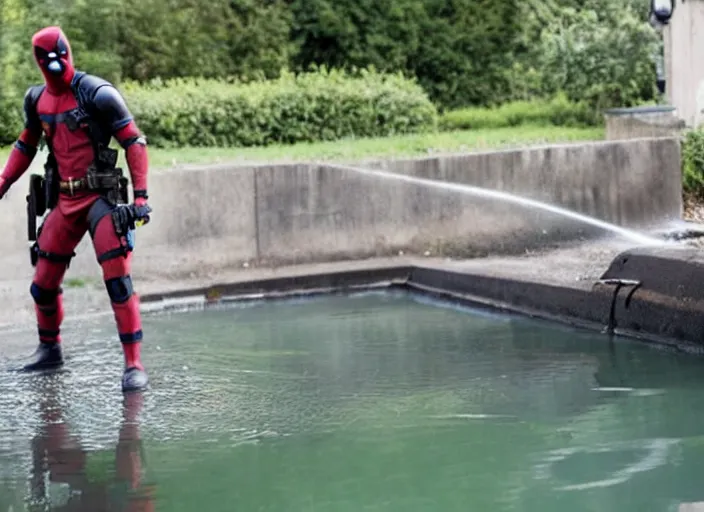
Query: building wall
point(684, 60)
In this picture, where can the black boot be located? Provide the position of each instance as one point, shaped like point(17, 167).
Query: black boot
point(47, 356)
point(134, 379)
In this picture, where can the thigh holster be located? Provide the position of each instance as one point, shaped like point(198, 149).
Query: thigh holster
point(36, 252)
point(100, 209)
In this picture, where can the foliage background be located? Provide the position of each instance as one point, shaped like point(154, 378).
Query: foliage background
point(463, 53)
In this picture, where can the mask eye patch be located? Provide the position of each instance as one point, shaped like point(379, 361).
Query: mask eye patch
point(41, 54)
point(61, 47)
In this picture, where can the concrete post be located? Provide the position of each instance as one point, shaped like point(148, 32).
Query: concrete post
point(683, 39)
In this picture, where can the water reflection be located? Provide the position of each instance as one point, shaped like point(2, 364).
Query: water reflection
point(65, 476)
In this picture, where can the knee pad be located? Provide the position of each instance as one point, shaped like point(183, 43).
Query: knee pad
point(119, 289)
point(42, 296)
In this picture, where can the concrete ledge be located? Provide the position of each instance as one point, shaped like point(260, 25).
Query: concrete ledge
point(664, 297)
point(677, 272)
point(564, 304)
point(587, 286)
point(648, 314)
point(340, 281)
point(639, 122)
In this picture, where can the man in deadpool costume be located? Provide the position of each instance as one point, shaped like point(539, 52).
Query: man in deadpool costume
point(78, 114)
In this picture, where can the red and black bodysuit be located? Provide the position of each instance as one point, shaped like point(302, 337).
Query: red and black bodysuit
point(52, 110)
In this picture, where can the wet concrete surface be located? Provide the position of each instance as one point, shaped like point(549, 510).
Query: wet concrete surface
point(568, 266)
point(571, 265)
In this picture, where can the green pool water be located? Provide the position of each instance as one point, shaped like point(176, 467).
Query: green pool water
point(372, 402)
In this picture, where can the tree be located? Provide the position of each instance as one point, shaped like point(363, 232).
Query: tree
point(604, 57)
point(457, 49)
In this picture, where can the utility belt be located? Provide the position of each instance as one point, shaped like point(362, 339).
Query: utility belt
point(102, 177)
point(106, 183)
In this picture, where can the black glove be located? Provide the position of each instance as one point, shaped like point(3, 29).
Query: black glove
point(125, 217)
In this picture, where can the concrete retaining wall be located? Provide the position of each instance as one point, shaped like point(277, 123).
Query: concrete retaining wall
point(642, 122)
point(632, 183)
point(222, 216)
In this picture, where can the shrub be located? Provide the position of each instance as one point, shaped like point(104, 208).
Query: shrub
point(11, 120)
point(556, 112)
point(316, 106)
point(601, 54)
point(693, 162)
point(457, 49)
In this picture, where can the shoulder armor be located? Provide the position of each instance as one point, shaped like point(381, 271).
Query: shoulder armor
point(102, 101)
point(86, 86)
point(31, 116)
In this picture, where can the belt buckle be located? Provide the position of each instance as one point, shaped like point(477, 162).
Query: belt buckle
point(70, 186)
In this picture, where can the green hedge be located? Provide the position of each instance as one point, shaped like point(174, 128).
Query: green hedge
point(309, 107)
point(693, 162)
point(556, 112)
point(11, 121)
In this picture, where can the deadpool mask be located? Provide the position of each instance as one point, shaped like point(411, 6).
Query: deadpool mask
point(53, 55)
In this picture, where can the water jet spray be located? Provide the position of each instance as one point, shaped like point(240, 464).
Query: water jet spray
point(631, 235)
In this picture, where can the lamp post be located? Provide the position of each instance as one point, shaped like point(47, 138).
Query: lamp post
point(659, 17)
point(661, 12)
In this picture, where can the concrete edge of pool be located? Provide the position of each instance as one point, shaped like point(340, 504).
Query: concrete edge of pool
point(654, 298)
